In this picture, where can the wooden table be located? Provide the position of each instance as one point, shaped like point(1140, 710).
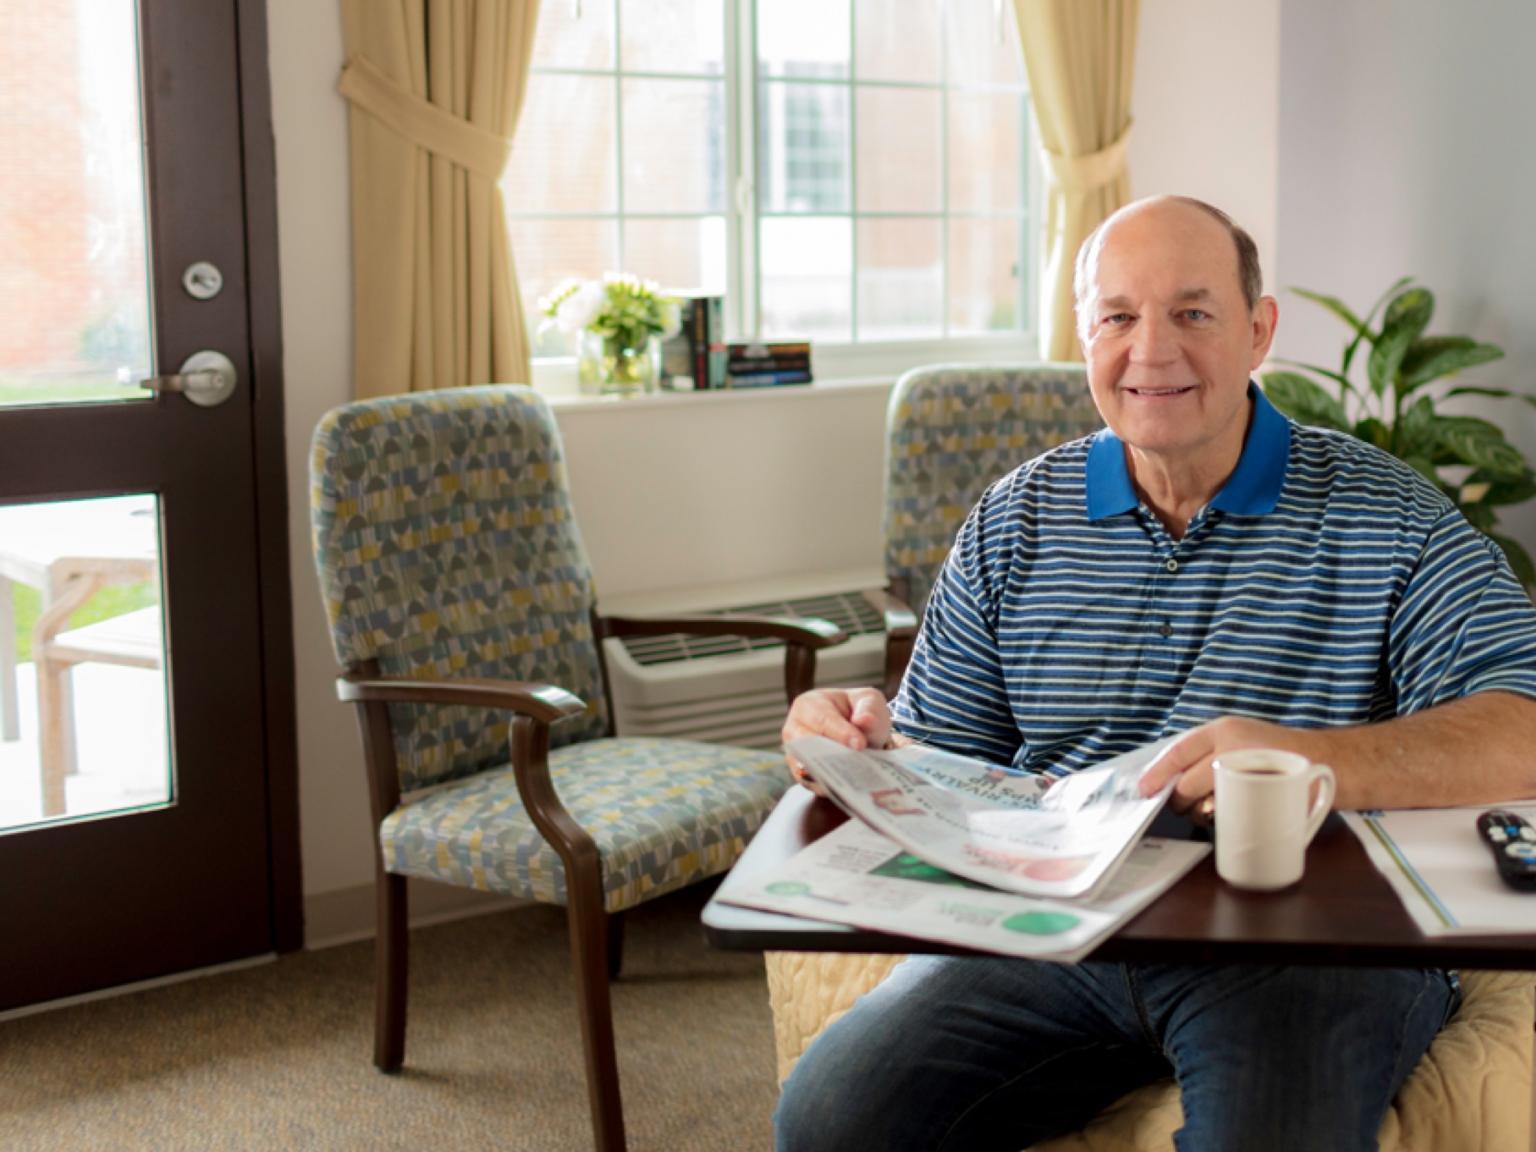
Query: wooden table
point(68, 551)
point(1342, 913)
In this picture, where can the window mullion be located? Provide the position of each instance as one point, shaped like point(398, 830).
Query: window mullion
point(618, 126)
point(945, 230)
point(748, 173)
point(853, 173)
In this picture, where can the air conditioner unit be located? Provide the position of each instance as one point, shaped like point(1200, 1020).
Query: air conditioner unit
point(728, 690)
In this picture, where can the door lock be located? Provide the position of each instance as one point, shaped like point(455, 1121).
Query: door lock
point(207, 378)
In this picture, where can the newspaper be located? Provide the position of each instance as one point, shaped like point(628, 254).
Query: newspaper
point(995, 826)
point(854, 875)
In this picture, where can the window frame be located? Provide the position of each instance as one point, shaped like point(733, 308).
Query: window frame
point(841, 360)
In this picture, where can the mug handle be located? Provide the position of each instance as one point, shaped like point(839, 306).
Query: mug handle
point(1325, 793)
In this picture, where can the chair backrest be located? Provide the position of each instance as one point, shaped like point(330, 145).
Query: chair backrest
point(951, 430)
point(447, 547)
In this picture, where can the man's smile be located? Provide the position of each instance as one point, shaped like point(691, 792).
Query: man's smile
point(1160, 393)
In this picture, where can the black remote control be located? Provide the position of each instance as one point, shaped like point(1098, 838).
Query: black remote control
point(1512, 840)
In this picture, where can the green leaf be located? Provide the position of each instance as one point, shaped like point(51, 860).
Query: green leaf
point(1365, 330)
point(1402, 324)
point(1480, 516)
point(1416, 429)
point(1337, 378)
point(1525, 571)
point(1480, 444)
point(1305, 399)
point(1432, 357)
point(1334, 305)
point(1373, 431)
point(1502, 393)
point(1502, 491)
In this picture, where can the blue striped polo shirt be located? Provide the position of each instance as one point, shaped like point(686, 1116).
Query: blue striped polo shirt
point(1325, 584)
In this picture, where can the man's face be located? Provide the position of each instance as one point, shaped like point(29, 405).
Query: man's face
point(1170, 341)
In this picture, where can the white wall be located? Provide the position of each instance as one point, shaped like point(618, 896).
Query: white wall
point(1406, 148)
point(702, 493)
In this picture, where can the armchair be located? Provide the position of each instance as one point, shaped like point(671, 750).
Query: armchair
point(463, 612)
point(951, 430)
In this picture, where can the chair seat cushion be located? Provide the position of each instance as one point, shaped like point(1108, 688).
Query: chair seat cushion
point(663, 813)
point(1471, 1091)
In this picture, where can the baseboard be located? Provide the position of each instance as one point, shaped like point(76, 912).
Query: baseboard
point(346, 915)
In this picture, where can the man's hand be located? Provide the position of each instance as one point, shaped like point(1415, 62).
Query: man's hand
point(856, 717)
point(1189, 758)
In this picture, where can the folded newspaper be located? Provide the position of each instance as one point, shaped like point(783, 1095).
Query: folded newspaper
point(996, 826)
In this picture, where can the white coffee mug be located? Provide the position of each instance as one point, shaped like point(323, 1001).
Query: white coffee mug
point(1263, 820)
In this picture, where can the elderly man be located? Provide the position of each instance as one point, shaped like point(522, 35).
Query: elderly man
point(1202, 566)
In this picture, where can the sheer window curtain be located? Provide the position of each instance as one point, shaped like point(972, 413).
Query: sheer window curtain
point(435, 88)
point(1080, 57)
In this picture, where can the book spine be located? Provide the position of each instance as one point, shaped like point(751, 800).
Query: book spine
point(791, 363)
point(768, 379)
point(698, 340)
point(714, 308)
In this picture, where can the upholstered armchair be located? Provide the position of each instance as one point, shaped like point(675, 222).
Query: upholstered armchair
point(951, 430)
point(463, 612)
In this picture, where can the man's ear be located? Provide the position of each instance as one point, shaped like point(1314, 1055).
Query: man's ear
point(1266, 316)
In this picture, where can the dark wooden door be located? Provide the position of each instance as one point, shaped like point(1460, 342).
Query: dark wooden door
point(147, 831)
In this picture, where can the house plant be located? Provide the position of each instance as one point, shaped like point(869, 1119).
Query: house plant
point(619, 323)
point(1466, 457)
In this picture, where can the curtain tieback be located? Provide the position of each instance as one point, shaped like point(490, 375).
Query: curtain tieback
point(422, 122)
point(1089, 172)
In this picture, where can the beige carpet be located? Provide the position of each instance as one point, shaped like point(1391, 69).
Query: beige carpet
point(279, 1056)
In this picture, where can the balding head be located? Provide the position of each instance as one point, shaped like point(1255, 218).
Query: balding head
point(1250, 278)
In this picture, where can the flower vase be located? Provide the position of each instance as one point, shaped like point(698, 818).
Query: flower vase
point(607, 366)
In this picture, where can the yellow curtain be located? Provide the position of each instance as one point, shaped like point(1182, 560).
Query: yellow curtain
point(435, 88)
point(1080, 56)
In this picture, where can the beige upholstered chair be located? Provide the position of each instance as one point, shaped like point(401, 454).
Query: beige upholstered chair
point(1471, 1093)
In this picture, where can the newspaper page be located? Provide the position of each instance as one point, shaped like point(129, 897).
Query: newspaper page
point(989, 824)
point(854, 875)
point(1443, 872)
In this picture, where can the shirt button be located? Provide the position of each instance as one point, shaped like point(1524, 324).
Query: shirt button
point(1165, 631)
point(1172, 565)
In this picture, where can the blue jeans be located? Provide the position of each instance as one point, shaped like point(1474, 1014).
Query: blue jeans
point(977, 1053)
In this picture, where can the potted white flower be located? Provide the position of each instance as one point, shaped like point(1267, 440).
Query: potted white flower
point(619, 323)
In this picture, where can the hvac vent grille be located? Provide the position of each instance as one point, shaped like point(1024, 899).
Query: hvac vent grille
point(850, 611)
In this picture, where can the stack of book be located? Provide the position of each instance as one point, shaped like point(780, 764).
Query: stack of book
point(695, 357)
point(768, 363)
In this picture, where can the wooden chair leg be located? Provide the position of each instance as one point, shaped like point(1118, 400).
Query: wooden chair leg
point(391, 954)
point(591, 954)
point(615, 944)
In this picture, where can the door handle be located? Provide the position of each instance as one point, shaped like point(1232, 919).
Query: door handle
point(206, 378)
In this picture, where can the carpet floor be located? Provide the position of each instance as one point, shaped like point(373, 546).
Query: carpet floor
point(279, 1056)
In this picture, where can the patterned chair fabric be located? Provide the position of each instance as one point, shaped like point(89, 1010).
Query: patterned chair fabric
point(951, 431)
point(446, 546)
point(640, 799)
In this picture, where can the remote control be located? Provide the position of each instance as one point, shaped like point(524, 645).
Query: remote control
point(1512, 840)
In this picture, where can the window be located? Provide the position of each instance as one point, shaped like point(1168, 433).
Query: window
point(855, 172)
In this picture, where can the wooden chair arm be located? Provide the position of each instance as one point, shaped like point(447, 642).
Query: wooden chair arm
point(544, 703)
point(900, 634)
point(807, 631)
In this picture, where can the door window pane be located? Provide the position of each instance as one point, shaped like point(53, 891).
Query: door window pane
point(563, 155)
point(803, 38)
point(803, 143)
point(898, 40)
point(984, 283)
point(899, 161)
point(83, 722)
point(74, 295)
point(549, 251)
point(985, 152)
point(682, 255)
point(567, 40)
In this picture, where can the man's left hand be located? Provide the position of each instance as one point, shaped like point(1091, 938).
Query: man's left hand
point(1188, 759)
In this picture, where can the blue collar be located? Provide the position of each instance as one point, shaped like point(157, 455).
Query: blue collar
point(1252, 490)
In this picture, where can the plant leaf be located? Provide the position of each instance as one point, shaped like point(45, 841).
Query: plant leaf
point(1502, 393)
point(1334, 305)
point(1504, 491)
point(1432, 357)
point(1373, 431)
point(1518, 559)
point(1403, 322)
point(1305, 399)
point(1365, 329)
point(1424, 466)
point(1480, 444)
point(1416, 430)
point(1336, 377)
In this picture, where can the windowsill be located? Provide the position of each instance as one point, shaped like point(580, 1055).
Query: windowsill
point(567, 401)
